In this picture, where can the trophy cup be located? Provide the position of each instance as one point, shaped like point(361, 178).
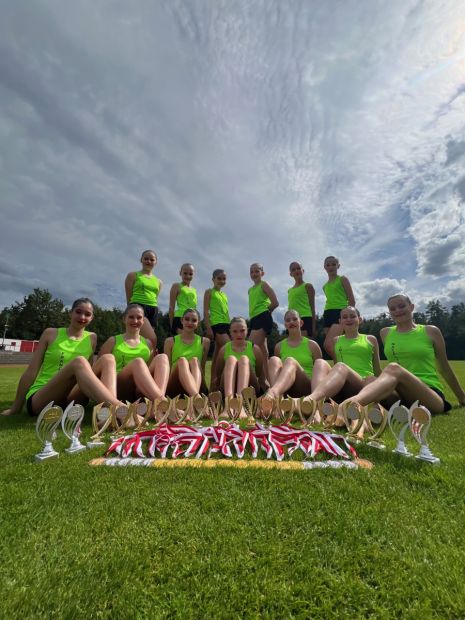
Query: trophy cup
point(143, 413)
point(306, 408)
point(398, 423)
point(233, 407)
point(376, 420)
point(71, 425)
point(249, 399)
point(354, 416)
point(285, 409)
point(162, 411)
point(46, 426)
point(215, 401)
point(181, 409)
point(265, 408)
point(102, 418)
point(200, 408)
point(328, 411)
point(419, 419)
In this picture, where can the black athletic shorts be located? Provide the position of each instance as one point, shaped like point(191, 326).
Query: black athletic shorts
point(263, 321)
point(151, 313)
point(330, 317)
point(447, 405)
point(220, 328)
point(176, 325)
point(307, 324)
point(29, 407)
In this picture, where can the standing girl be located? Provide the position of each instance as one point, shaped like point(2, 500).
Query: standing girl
point(240, 362)
point(339, 295)
point(182, 297)
point(262, 302)
point(187, 355)
point(60, 368)
point(143, 288)
point(133, 353)
point(301, 297)
point(297, 365)
point(414, 352)
point(216, 316)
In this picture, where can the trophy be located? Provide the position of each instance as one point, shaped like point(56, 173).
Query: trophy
point(233, 407)
point(46, 426)
point(419, 419)
point(215, 401)
point(71, 425)
point(143, 412)
point(249, 399)
point(306, 409)
point(354, 416)
point(162, 411)
point(328, 411)
point(200, 408)
point(398, 419)
point(285, 409)
point(265, 408)
point(181, 409)
point(103, 417)
point(376, 419)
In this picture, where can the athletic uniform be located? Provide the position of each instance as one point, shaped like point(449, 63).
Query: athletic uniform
point(300, 353)
point(190, 350)
point(187, 298)
point(259, 313)
point(59, 353)
point(145, 293)
point(248, 351)
point(218, 311)
point(356, 353)
point(297, 299)
point(414, 351)
point(336, 300)
point(124, 354)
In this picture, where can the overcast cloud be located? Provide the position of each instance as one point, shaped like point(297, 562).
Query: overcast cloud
point(227, 132)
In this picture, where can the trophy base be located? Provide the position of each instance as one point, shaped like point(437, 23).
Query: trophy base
point(376, 444)
point(402, 449)
point(45, 454)
point(75, 449)
point(427, 456)
point(95, 444)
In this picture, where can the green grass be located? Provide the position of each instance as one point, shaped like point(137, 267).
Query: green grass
point(91, 542)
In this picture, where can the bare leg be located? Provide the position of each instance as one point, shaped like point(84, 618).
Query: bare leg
point(321, 369)
point(291, 379)
point(243, 373)
point(160, 369)
point(220, 340)
point(275, 367)
point(258, 337)
point(340, 375)
point(105, 370)
point(185, 377)
point(331, 333)
point(196, 373)
point(409, 388)
point(148, 332)
point(230, 375)
point(137, 372)
point(77, 371)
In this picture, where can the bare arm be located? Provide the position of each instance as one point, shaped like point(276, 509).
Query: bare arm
point(269, 292)
point(315, 350)
point(206, 313)
point(277, 349)
point(348, 290)
point(443, 363)
point(206, 347)
point(218, 370)
point(331, 347)
point(107, 347)
point(376, 361)
point(173, 295)
point(129, 285)
point(31, 372)
point(311, 300)
point(168, 348)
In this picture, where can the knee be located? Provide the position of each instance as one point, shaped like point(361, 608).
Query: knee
point(243, 361)
point(290, 362)
point(161, 358)
point(230, 362)
point(79, 363)
point(340, 368)
point(107, 359)
point(275, 362)
point(393, 369)
point(182, 363)
point(138, 362)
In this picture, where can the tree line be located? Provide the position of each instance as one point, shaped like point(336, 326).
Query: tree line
point(27, 319)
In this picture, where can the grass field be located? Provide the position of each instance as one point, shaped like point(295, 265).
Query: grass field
point(83, 542)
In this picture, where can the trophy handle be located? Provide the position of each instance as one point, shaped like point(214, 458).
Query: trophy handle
point(249, 399)
point(419, 422)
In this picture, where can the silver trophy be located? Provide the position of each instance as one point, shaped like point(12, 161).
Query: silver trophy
point(46, 426)
point(419, 419)
point(398, 420)
point(71, 425)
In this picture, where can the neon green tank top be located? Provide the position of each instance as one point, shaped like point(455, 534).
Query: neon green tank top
point(219, 309)
point(190, 350)
point(414, 351)
point(301, 354)
point(59, 352)
point(356, 353)
point(187, 298)
point(258, 301)
point(145, 289)
point(297, 299)
point(336, 297)
point(248, 351)
point(124, 354)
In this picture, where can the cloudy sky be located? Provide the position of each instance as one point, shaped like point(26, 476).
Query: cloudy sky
point(227, 132)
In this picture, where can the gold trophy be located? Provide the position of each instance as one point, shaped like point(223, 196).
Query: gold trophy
point(162, 411)
point(306, 408)
point(376, 420)
point(233, 407)
point(103, 418)
point(265, 408)
point(215, 402)
point(143, 413)
point(249, 399)
point(328, 410)
point(286, 409)
point(200, 408)
point(354, 417)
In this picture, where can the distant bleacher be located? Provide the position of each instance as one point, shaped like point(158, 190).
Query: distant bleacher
point(12, 357)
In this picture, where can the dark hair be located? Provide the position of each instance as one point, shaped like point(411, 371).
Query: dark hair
point(295, 262)
point(217, 273)
point(291, 310)
point(335, 258)
point(131, 306)
point(191, 310)
point(82, 300)
point(406, 297)
point(354, 309)
point(238, 319)
point(146, 251)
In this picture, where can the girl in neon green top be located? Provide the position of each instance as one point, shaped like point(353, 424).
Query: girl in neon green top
point(357, 361)
point(262, 302)
point(143, 288)
point(187, 355)
point(60, 369)
point(240, 362)
point(414, 352)
point(339, 295)
point(297, 363)
point(216, 316)
point(301, 297)
point(183, 296)
point(138, 374)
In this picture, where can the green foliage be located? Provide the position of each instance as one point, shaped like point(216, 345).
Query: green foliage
point(83, 542)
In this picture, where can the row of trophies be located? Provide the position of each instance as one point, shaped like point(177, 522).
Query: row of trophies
point(362, 423)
